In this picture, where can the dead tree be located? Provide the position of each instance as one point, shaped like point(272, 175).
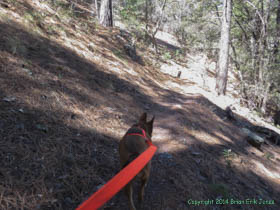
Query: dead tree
point(149, 29)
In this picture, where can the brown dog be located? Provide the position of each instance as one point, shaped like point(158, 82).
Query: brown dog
point(133, 144)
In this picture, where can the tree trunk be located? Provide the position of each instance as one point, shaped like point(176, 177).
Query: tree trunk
point(262, 84)
point(96, 8)
point(106, 14)
point(221, 80)
point(277, 39)
point(265, 98)
point(146, 14)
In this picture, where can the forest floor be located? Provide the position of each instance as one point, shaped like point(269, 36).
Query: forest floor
point(68, 93)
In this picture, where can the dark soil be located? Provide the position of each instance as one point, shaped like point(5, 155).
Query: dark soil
point(62, 116)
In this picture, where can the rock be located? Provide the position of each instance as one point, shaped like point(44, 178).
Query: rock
point(9, 99)
point(165, 156)
point(229, 113)
point(130, 50)
point(276, 118)
point(195, 153)
point(42, 127)
point(253, 139)
point(269, 134)
point(28, 71)
point(166, 159)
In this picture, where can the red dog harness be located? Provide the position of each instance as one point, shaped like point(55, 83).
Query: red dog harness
point(143, 135)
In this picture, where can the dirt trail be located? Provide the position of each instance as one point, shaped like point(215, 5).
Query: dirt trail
point(68, 94)
point(191, 134)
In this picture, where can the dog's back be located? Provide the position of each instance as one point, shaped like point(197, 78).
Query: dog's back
point(130, 148)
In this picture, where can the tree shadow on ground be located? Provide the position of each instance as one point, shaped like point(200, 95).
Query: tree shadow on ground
point(55, 158)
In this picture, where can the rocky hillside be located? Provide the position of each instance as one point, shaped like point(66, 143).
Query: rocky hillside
point(68, 93)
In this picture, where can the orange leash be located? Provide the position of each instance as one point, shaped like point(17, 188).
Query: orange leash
point(119, 181)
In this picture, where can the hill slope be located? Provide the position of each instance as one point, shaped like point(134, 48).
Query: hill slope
point(69, 93)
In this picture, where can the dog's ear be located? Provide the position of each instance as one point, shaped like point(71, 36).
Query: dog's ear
point(143, 118)
point(152, 121)
point(150, 125)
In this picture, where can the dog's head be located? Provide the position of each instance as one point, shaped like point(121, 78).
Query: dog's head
point(147, 126)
